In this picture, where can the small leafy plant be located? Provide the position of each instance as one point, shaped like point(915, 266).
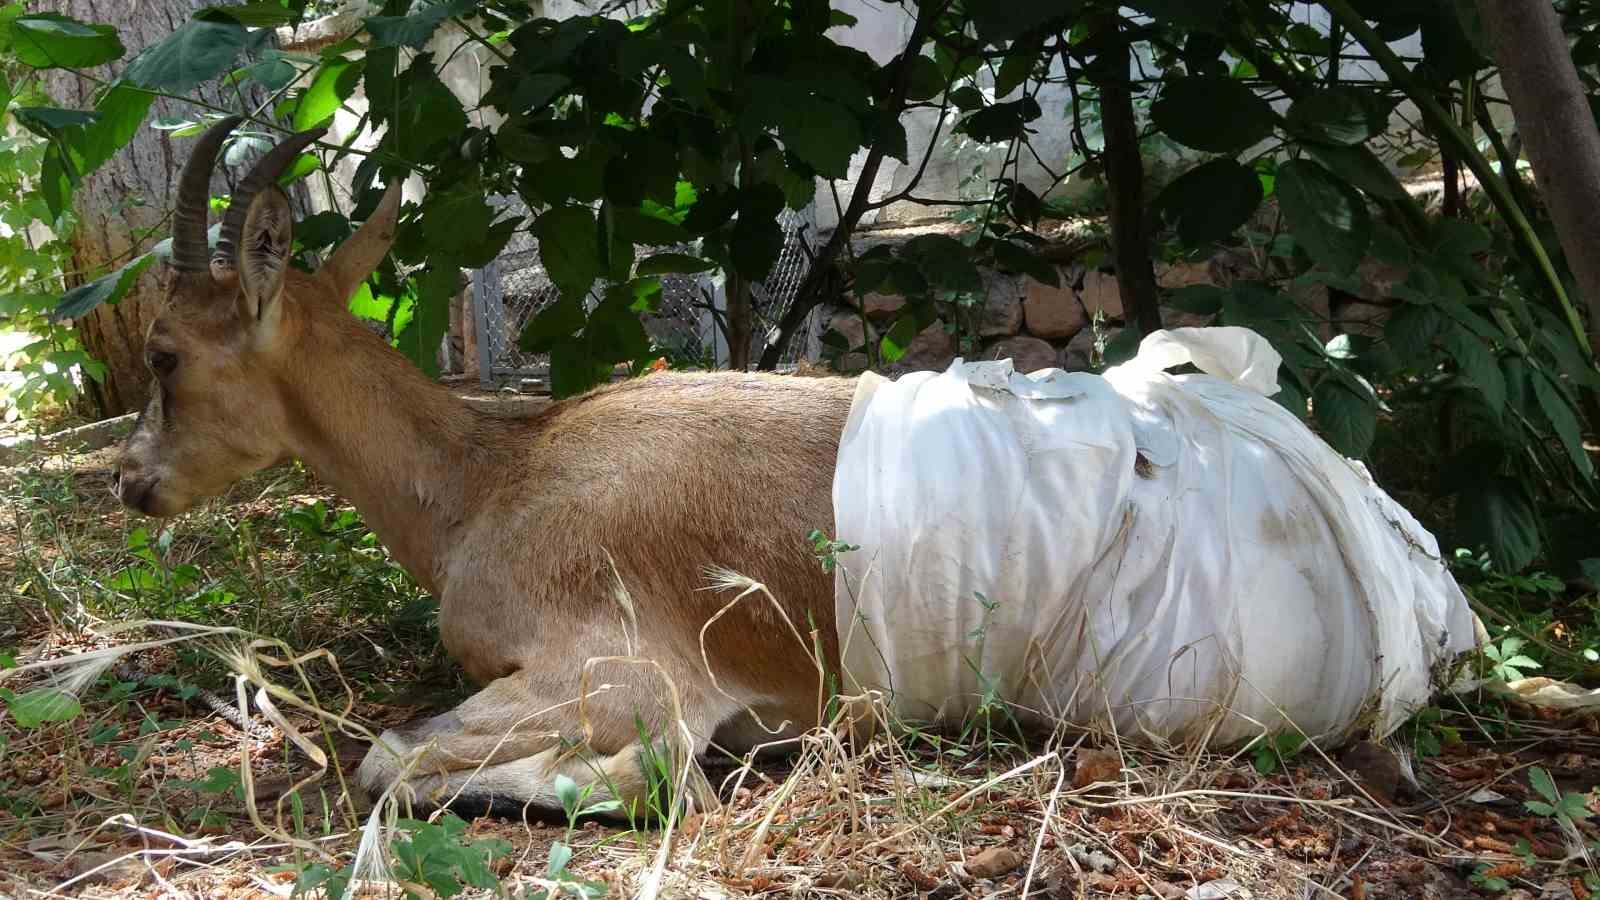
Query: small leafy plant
point(1273, 752)
point(1567, 809)
point(439, 856)
point(574, 802)
point(827, 551)
point(1429, 734)
point(435, 859)
point(1570, 807)
point(1506, 662)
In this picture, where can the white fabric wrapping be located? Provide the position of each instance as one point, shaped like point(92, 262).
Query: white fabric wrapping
point(1168, 554)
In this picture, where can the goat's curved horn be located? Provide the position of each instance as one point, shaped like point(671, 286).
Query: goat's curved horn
point(266, 171)
point(194, 198)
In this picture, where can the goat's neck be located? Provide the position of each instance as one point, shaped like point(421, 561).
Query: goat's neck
point(396, 443)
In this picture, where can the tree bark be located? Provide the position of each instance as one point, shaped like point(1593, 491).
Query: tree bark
point(1124, 170)
point(123, 207)
point(1557, 129)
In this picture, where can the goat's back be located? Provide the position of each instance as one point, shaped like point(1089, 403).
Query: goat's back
point(665, 477)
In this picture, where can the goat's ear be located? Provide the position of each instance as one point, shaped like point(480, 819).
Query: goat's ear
point(361, 252)
point(264, 250)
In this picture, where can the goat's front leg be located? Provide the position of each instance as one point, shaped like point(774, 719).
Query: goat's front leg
point(501, 751)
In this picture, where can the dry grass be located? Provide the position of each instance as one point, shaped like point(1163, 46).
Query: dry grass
point(133, 798)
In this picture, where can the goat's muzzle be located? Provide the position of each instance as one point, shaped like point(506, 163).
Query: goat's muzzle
point(135, 490)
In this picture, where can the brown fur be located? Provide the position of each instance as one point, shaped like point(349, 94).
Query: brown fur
point(524, 529)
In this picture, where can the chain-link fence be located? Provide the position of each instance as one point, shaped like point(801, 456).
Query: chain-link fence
point(509, 292)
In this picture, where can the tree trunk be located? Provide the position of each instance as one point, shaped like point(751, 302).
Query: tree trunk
point(1557, 129)
point(1124, 170)
point(123, 208)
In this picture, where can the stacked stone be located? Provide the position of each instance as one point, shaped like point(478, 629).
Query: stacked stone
point(1035, 324)
point(1041, 326)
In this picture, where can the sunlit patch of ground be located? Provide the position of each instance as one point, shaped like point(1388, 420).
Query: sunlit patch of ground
point(140, 793)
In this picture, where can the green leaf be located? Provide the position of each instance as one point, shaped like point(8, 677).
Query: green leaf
point(1348, 419)
point(421, 112)
point(1359, 167)
point(49, 121)
point(645, 294)
point(554, 324)
point(1209, 202)
point(1495, 513)
point(1478, 366)
point(1123, 346)
point(42, 705)
point(647, 169)
point(272, 72)
point(119, 113)
point(1199, 299)
point(303, 165)
point(925, 81)
point(685, 74)
point(1449, 50)
point(889, 133)
point(670, 263)
point(561, 854)
point(197, 52)
point(106, 289)
point(1539, 779)
point(55, 183)
point(1326, 217)
point(1341, 115)
point(1015, 70)
point(757, 238)
point(533, 92)
point(1201, 16)
point(570, 249)
point(895, 344)
point(1014, 18)
point(944, 262)
point(1218, 115)
point(257, 13)
point(1553, 400)
point(1000, 122)
point(457, 225)
point(414, 30)
point(614, 332)
point(1290, 395)
point(559, 179)
point(813, 127)
point(49, 40)
point(333, 84)
point(1456, 242)
point(798, 189)
point(430, 317)
point(1014, 257)
point(640, 227)
point(1412, 328)
point(966, 98)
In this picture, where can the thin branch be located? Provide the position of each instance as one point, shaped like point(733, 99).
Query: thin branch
point(809, 294)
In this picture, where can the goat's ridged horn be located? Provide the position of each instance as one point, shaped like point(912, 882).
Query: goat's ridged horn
point(266, 171)
point(194, 199)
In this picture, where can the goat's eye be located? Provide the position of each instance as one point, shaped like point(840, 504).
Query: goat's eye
point(162, 362)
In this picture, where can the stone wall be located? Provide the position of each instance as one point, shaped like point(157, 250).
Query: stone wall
point(1035, 324)
point(1068, 327)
